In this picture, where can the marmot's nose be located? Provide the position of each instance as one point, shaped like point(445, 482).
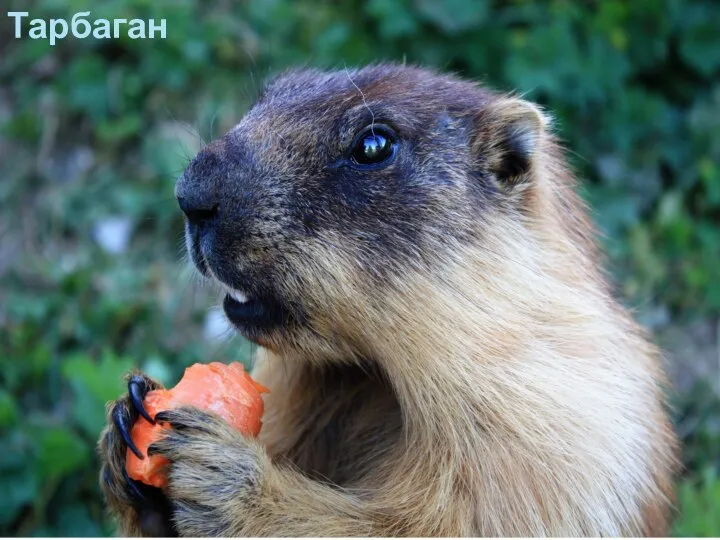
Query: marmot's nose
point(197, 210)
point(197, 189)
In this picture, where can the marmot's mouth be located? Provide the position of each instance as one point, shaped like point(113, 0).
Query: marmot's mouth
point(253, 317)
point(253, 311)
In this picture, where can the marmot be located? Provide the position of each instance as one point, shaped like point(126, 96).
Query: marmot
point(444, 354)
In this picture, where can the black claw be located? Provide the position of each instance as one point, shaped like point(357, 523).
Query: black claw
point(121, 423)
point(133, 486)
point(137, 388)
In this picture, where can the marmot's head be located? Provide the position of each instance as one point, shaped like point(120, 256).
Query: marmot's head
point(335, 187)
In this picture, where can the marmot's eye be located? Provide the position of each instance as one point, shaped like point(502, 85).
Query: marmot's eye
point(373, 145)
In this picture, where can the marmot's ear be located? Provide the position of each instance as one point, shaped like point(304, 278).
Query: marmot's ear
point(508, 134)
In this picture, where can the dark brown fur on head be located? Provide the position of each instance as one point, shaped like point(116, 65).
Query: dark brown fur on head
point(286, 190)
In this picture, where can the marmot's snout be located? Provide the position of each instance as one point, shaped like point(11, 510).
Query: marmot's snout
point(216, 189)
point(226, 206)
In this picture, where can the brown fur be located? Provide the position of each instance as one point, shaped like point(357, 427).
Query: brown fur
point(477, 380)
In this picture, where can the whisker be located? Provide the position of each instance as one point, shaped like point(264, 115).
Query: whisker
point(362, 95)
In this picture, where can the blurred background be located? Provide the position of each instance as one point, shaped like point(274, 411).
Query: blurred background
point(93, 134)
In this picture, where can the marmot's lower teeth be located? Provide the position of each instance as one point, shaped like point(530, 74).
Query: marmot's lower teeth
point(238, 296)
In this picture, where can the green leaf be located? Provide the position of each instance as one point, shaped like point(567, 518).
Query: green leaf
point(394, 17)
point(120, 129)
point(710, 178)
point(700, 40)
point(86, 87)
point(699, 503)
point(19, 488)
point(94, 384)
point(76, 521)
point(454, 16)
point(60, 453)
point(8, 410)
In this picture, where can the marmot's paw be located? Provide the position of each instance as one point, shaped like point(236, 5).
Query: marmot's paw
point(216, 474)
point(141, 509)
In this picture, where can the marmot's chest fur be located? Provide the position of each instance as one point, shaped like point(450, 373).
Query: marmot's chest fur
point(346, 435)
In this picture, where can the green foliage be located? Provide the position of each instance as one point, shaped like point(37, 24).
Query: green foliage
point(94, 132)
point(93, 384)
point(699, 504)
